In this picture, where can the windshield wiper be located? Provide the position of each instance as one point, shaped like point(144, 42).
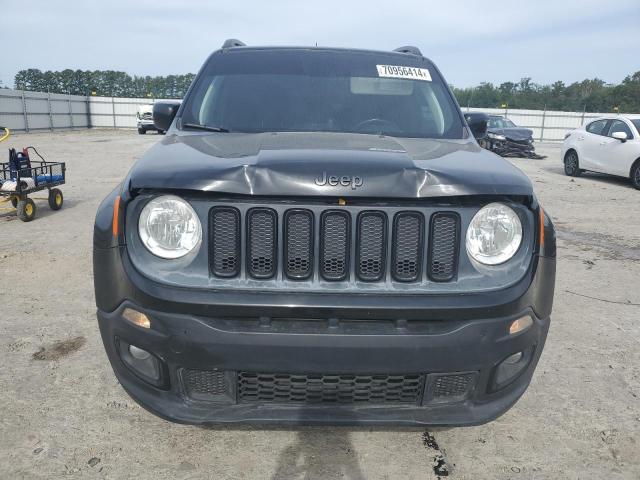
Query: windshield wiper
point(205, 127)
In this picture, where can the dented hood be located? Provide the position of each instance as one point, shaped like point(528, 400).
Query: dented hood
point(325, 164)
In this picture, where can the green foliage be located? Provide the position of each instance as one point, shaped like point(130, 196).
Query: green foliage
point(106, 83)
point(590, 95)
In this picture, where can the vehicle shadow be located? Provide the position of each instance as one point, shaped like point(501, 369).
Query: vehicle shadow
point(321, 451)
point(600, 177)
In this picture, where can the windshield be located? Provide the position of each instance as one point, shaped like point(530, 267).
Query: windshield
point(296, 90)
point(500, 122)
point(636, 123)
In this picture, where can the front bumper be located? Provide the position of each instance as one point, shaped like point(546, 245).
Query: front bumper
point(321, 334)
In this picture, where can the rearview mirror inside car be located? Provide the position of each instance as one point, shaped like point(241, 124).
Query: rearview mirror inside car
point(477, 122)
point(622, 136)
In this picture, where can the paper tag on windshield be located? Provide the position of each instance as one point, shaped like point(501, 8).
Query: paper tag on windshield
point(397, 71)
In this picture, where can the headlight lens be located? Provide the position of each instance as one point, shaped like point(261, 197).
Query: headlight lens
point(169, 227)
point(494, 234)
point(496, 136)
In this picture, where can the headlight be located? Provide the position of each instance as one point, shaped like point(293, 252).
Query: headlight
point(495, 136)
point(494, 234)
point(169, 227)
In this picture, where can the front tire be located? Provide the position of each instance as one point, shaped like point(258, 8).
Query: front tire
point(572, 164)
point(55, 199)
point(26, 210)
point(142, 131)
point(635, 175)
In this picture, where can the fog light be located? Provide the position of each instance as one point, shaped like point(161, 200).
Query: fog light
point(520, 324)
point(509, 368)
point(137, 318)
point(138, 353)
point(141, 362)
point(513, 359)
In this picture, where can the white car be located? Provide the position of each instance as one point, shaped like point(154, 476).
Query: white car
point(605, 145)
point(144, 119)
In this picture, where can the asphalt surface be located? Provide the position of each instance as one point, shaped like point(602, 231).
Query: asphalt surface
point(64, 415)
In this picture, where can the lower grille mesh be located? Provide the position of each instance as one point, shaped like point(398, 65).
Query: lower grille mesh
point(319, 388)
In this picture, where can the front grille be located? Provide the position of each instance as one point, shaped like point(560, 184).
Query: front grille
point(224, 247)
point(298, 249)
point(261, 242)
point(407, 243)
point(372, 231)
point(444, 246)
point(333, 245)
point(335, 240)
point(320, 388)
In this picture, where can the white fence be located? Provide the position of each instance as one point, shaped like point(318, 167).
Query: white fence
point(34, 111)
point(24, 111)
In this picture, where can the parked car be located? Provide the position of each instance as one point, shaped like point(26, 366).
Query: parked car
point(320, 239)
point(508, 140)
point(144, 119)
point(605, 145)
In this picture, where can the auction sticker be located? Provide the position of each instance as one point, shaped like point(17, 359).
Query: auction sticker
point(397, 71)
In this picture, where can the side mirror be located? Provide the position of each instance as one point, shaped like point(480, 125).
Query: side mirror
point(622, 136)
point(477, 123)
point(164, 113)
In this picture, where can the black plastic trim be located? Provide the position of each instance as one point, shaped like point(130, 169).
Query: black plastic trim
point(347, 269)
point(421, 246)
point(383, 216)
point(274, 250)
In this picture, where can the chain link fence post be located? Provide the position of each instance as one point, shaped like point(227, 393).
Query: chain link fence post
point(113, 111)
point(70, 112)
point(544, 116)
point(50, 113)
point(584, 109)
point(24, 113)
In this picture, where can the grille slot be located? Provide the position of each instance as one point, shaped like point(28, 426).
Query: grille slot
point(407, 246)
point(372, 240)
point(298, 248)
point(321, 388)
point(261, 242)
point(453, 387)
point(224, 246)
point(443, 246)
point(335, 241)
point(208, 385)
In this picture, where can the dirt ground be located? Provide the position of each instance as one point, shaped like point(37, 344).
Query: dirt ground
point(64, 415)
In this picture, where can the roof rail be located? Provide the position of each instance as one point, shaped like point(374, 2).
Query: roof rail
point(409, 49)
point(232, 42)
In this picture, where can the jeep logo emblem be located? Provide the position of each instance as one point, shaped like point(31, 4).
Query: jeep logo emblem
point(345, 181)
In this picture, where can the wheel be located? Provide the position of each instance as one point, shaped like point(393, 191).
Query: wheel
point(55, 199)
point(635, 175)
point(14, 202)
point(26, 210)
point(141, 131)
point(571, 164)
point(161, 132)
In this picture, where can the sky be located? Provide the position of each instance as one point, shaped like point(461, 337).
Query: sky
point(470, 41)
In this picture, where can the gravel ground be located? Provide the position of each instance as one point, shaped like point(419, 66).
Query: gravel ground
point(63, 413)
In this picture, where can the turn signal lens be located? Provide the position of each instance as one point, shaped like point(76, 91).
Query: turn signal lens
point(137, 318)
point(520, 324)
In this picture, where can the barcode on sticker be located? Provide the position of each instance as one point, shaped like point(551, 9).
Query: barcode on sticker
point(397, 71)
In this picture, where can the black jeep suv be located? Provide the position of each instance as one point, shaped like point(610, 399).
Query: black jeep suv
point(320, 239)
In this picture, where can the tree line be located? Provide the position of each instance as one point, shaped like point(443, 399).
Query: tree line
point(589, 95)
point(107, 83)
